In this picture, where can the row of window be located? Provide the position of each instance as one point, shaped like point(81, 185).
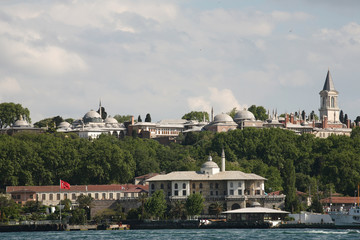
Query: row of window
point(73, 196)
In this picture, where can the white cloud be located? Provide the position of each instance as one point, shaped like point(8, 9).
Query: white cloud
point(9, 85)
point(221, 100)
point(295, 78)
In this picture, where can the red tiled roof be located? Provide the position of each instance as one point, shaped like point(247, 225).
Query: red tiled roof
point(147, 176)
point(345, 200)
point(276, 193)
point(79, 188)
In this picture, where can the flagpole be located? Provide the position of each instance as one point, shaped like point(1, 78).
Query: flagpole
point(60, 199)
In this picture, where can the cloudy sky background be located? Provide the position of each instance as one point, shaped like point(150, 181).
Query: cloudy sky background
point(168, 58)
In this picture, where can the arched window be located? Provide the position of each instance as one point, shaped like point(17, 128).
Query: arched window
point(184, 185)
point(200, 185)
point(231, 184)
point(152, 186)
point(176, 186)
point(332, 102)
point(162, 186)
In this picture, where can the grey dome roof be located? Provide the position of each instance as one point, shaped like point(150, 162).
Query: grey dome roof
point(210, 164)
point(64, 124)
point(92, 116)
point(21, 123)
point(223, 118)
point(111, 120)
point(244, 115)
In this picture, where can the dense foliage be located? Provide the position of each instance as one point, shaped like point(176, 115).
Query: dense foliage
point(10, 112)
point(319, 164)
point(196, 115)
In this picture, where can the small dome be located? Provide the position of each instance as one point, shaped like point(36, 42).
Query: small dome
point(92, 116)
point(111, 120)
point(64, 124)
point(244, 115)
point(222, 118)
point(21, 123)
point(210, 164)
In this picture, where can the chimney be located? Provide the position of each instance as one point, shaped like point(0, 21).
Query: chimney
point(325, 122)
point(292, 118)
point(313, 123)
point(132, 120)
point(348, 123)
point(223, 160)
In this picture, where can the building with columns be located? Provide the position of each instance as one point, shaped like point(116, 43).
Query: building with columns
point(233, 189)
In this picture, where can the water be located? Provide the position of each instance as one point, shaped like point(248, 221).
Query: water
point(207, 234)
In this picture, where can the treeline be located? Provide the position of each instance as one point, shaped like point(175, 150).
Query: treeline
point(320, 164)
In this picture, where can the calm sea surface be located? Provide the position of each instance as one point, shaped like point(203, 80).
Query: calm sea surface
point(208, 234)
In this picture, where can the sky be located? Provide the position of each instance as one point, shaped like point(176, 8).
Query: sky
point(168, 58)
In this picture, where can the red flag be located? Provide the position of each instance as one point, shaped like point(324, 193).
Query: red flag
point(64, 185)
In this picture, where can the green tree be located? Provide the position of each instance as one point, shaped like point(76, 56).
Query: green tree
point(259, 112)
point(103, 113)
point(155, 206)
point(85, 202)
point(148, 118)
point(139, 119)
point(195, 115)
point(194, 204)
point(232, 113)
point(8, 209)
point(178, 210)
point(78, 216)
point(123, 118)
point(11, 112)
point(291, 203)
point(341, 117)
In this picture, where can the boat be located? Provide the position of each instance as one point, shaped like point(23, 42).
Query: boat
point(348, 218)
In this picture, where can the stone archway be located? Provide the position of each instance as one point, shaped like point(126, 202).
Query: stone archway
point(235, 206)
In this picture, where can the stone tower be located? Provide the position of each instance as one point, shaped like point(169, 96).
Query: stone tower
point(329, 101)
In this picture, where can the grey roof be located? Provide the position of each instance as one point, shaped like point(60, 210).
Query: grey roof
point(329, 85)
point(197, 176)
point(244, 115)
point(255, 210)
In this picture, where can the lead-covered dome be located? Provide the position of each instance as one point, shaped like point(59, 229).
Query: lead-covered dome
point(64, 125)
point(21, 123)
point(222, 118)
point(210, 167)
point(244, 115)
point(92, 116)
point(111, 120)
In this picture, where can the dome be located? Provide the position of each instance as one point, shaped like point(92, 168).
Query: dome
point(21, 123)
point(222, 118)
point(92, 116)
point(111, 120)
point(244, 115)
point(64, 124)
point(209, 164)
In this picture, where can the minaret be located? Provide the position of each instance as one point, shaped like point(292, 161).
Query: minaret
point(329, 100)
point(100, 108)
point(223, 160)
point(212, 114)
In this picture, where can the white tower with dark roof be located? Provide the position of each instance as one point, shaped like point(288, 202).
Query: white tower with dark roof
point(329, 101)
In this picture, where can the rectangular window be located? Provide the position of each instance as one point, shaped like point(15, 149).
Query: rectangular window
point(217, 193)
point(73, 196)
point(184, 192)
point(18, 196)
point(43, 197)
point(176, 193)
point(257, 192)
point(231, 192)
point(239, 192)
point(58, 196)
point(96, 196)
point(239, 184)
point(118, 195)
point(51, 196)
point(65, 195)
point(211, 193)
point(111, 195)
point(104, 195)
